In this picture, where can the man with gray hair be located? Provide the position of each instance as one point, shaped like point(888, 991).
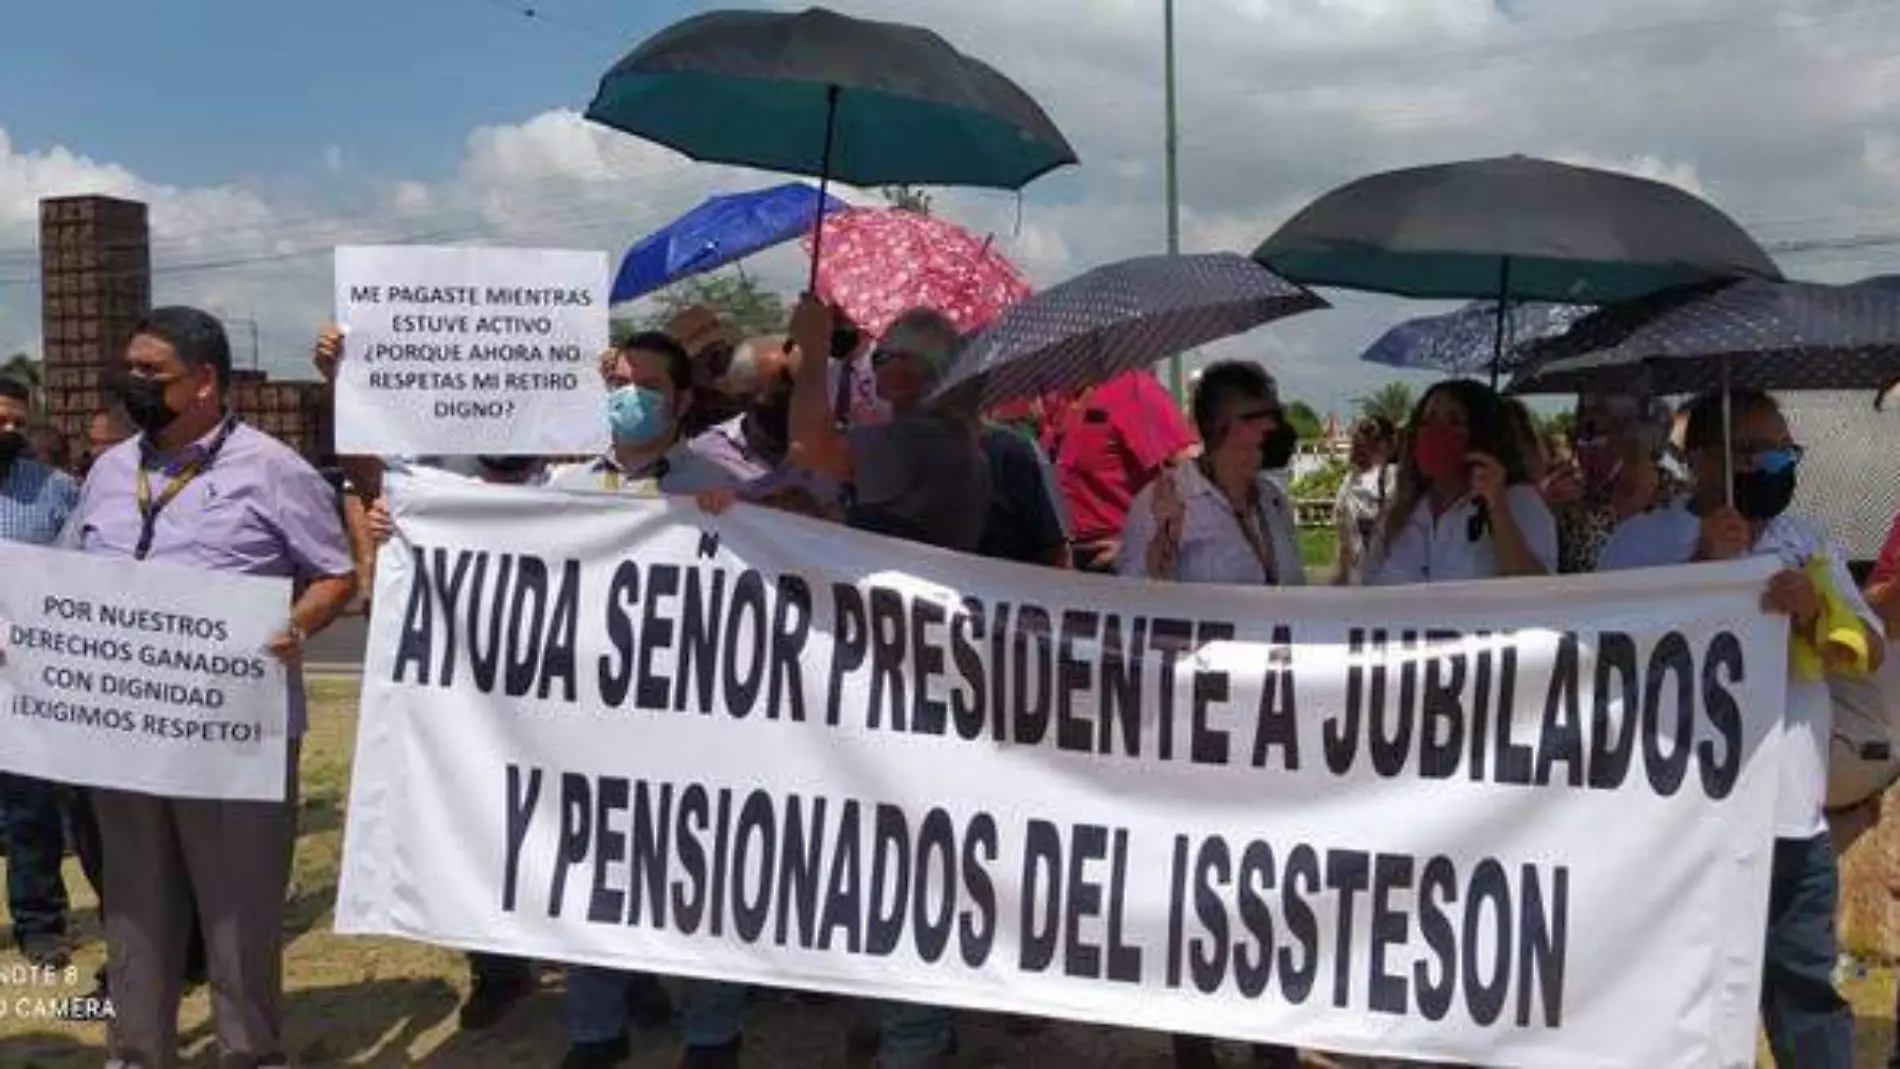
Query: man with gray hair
point(922, 477)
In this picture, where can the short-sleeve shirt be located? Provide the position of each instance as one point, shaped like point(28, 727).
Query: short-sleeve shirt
point(1024, 522)
point(1213, 548)
point(1109, 445)
point(1441, 549)
point(1357, 510)
point(1667, 537)
point(923, 478)
point(36, 500)
point(258, 509)
point(682, 469)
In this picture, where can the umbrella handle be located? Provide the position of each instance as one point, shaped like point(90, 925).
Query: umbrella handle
point(824, 183)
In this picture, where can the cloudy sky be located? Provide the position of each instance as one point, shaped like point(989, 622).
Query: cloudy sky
point(265, 134)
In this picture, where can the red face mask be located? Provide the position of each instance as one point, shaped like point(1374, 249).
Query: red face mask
point(1599, 464)
point(1440, 451)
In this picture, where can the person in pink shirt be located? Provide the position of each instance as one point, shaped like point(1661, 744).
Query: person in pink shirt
point(1109, 442)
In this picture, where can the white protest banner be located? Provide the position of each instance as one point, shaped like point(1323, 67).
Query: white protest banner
point(470, 351)
point(1507, 824)
point(140, 676)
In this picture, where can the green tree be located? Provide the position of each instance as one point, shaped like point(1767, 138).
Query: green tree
point(1394, 401)
point(26, 369)
point(1322, 482)
point(1306, 422)
point(747, 305)
point(908, 198)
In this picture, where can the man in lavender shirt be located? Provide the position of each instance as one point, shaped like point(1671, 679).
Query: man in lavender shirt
point(200, 489)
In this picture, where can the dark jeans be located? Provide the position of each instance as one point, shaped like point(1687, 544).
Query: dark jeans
point(1809, 1024)
point(36, 842)
point(497, 970)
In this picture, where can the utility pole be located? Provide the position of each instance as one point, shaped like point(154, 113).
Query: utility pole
point(1176, 382)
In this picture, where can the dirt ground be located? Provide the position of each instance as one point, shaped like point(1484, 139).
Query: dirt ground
point(376, 1002)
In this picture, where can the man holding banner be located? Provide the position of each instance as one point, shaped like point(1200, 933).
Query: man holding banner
point(1809, 1024)
point(200, 489)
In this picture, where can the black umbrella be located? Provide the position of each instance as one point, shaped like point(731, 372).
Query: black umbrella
point(1514, 228)
point(818, 93)
point(1767, 335)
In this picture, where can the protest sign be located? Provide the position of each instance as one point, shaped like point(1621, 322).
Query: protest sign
point(470, 351)
point(140, 676)
point(1506, 824)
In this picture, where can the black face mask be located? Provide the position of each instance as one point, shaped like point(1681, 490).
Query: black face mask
point(1277, 448)
point(145, 404)
point(1763, 495)
point(844, 342)
point(12, 448)
point(768, 425)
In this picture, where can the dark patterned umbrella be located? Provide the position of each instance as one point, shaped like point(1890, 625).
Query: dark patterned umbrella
point(1768, 335)
point(1464, 342)
point(1120, 317)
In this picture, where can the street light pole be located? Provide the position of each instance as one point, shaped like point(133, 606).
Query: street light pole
point(1175, 379)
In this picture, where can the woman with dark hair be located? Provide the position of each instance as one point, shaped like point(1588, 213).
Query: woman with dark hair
point(1464, 506)
point(1218, 519)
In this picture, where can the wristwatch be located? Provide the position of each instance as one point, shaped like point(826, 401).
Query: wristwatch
point(296, 633)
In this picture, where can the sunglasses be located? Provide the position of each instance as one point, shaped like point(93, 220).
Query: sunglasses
point(1260, 415)
point(1776, 459)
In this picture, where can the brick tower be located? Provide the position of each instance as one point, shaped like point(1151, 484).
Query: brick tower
point(96, 283)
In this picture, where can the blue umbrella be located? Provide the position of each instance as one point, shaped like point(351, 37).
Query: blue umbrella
point(1464, 342)
point(719, 231)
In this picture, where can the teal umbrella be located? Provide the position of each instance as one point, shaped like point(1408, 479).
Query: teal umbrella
point(818, 93)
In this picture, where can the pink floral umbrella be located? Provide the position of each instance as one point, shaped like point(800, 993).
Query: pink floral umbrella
point(878, 263)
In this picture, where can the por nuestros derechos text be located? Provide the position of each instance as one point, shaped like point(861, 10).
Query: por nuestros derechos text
point(89, 676)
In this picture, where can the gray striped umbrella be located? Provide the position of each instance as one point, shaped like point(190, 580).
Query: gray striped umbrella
point(1768, 335)
point(1119, 317)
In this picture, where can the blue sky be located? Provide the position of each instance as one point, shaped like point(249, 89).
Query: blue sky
point(266, 85)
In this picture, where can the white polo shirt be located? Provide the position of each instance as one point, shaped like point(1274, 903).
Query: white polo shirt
point(1666, 538)
point(1442, 550)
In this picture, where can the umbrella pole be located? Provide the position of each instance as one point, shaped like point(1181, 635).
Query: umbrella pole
point(1728, 440)
point(824, 183)
point(1497, 344)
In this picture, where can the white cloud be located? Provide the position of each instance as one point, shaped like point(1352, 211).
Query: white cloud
point(1787, 114)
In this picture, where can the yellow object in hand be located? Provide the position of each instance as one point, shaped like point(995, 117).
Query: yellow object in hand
point(1839, 643)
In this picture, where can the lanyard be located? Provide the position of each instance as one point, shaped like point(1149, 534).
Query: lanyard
point(1251, 521)
point(149, 508)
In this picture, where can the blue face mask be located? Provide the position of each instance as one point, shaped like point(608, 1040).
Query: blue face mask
point(637, 415)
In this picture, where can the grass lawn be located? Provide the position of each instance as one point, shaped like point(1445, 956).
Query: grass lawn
point(378, 1002)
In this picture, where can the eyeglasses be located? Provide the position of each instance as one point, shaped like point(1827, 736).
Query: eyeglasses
point(1772, 460)
point(1261, 415)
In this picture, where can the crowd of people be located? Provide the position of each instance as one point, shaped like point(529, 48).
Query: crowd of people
point(1115, 479)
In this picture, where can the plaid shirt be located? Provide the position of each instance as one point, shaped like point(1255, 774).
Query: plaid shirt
point(35, 501)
